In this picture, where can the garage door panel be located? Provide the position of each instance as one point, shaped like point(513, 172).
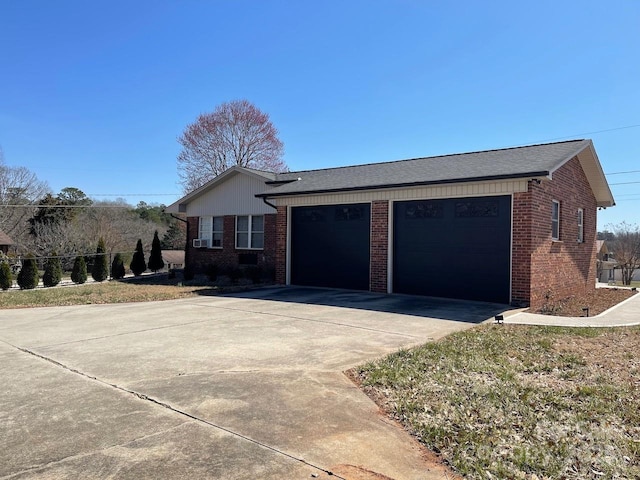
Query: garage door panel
point(330, 246)
point(458, 248)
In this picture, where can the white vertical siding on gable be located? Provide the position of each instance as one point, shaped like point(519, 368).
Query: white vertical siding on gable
point(477, 189)
point(235, 196)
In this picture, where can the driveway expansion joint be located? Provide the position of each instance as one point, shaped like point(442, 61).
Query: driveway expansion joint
point(304, 319)
point(175, 410)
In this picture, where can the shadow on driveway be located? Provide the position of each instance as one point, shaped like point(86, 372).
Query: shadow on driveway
point(419, 306)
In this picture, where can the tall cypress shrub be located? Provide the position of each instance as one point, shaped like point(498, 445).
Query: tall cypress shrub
point(6, 276)
point(138, 265)
point(52, 271)
point(79, 272)
point(28, 277)
point(117, 267)
point(100, 269)
point(155, 257)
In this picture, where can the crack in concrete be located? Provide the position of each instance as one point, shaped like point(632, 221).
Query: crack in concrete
point(175, 410)
point(44, 466)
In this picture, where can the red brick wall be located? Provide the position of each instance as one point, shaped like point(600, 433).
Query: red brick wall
point(281, 246)
point(558, 269)
point(379, 245)
point(200, 258)
point(521, 249)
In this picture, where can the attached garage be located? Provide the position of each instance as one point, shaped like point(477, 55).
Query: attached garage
point(456, 248)
point(475, 226)
point(330, 246)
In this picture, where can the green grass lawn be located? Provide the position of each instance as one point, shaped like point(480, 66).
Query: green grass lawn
point(509, 401)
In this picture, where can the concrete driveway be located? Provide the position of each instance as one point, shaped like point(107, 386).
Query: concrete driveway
point(247, 385)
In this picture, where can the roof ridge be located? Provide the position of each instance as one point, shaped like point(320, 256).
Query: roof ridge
point(259, 170)
point(434, 156)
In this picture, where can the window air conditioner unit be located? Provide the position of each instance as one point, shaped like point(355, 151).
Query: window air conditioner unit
point(200, 242)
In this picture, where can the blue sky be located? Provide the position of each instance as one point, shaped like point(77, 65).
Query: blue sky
point(94, 94)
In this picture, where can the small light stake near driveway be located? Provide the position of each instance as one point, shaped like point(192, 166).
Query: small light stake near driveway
point(499, 319)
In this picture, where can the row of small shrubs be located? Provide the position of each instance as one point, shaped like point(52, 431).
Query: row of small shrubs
point(29, 276)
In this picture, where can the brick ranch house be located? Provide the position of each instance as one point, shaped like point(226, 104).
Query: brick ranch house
point(510, 226)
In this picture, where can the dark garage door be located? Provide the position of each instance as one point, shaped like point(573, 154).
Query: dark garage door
point(457, 248)
point(330, 246)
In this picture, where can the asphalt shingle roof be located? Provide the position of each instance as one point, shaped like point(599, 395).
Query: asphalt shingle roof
point(5, 239)
point(517, 162)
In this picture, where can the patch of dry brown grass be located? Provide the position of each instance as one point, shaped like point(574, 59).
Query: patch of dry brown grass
point(510, 401)
point(94, 293)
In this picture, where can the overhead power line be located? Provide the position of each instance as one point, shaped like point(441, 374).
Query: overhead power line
point(592, 133)
point(73, 255)
point(620, 173)
point(35, 205)
point(575, 135)
point(133, 194)
point(624, 183)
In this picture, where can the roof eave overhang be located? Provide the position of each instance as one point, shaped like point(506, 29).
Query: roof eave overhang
point(516, 176)
point(592, 169)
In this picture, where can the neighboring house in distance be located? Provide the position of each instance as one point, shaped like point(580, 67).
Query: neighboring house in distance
point(605, 262)
point(173, 259)
point(510, 226)
point(5, 242)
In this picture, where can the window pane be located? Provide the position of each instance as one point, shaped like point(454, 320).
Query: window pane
point(242, 240)
point(217, 224)
point(243, 224)
point(257, 240)
point(205, 227)
point(257, 223)
point(580, 225)
point(217, 240)
point(555, 220)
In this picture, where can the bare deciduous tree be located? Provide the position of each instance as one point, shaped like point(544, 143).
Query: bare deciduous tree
point(118, 224)
point(235, 133)
point(18, 186)
point(626, 249)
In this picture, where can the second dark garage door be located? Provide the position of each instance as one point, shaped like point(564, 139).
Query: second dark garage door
point(456, 248)
point(330, 246)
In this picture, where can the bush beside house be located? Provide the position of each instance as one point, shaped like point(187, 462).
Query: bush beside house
point(28, 277)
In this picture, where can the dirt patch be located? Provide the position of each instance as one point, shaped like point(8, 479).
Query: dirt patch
point(352, 472)
point(597, 301)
